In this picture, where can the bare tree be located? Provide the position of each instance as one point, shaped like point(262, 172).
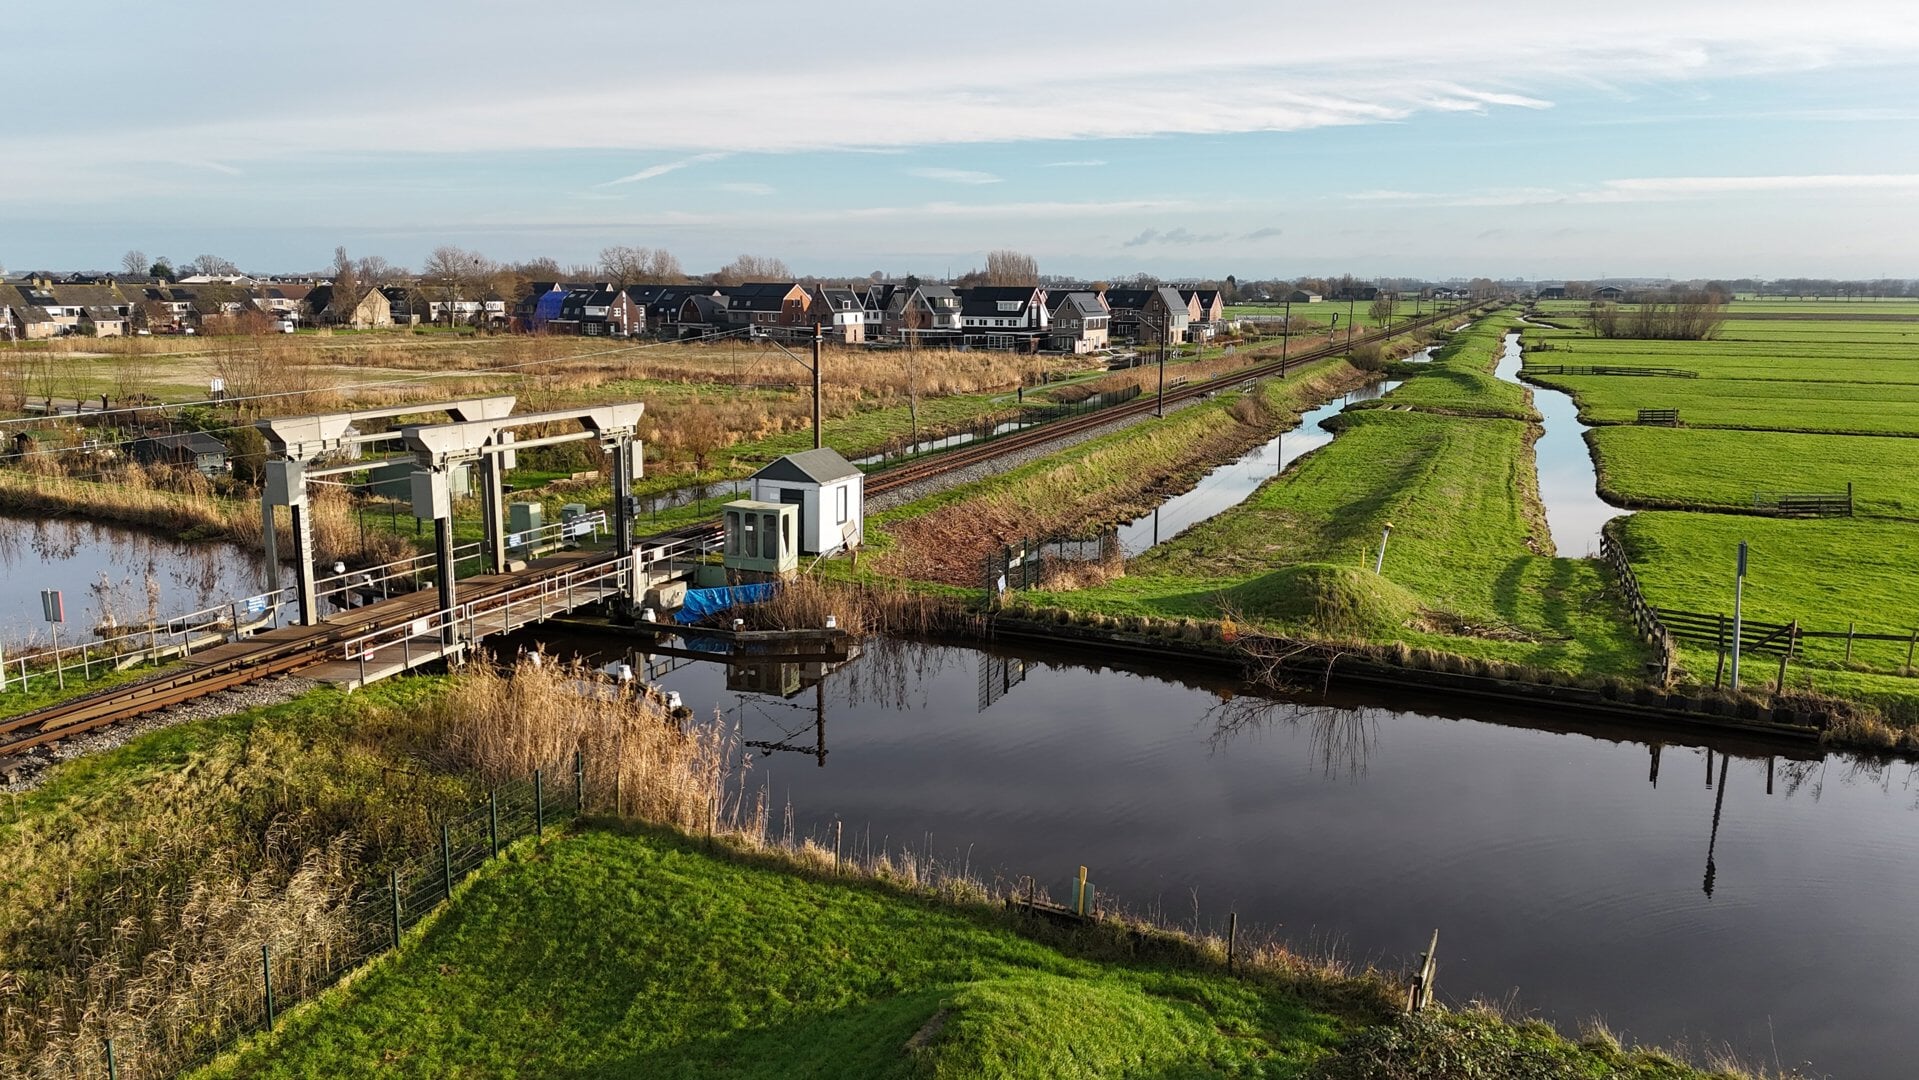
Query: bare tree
point(1008, 267)
point(214, 266)
point(751, 268)
point(544, 268)
point(451, 273)
point(346, 284)
point(375, 270)
point(1382, 309)
point(134, 263)
point(623, 265)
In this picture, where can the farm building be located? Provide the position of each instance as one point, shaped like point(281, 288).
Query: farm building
point(195, 448)
point(830, 492)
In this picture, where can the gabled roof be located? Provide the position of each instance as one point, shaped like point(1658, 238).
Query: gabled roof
point(192, 442)
point(759, 295)
point(1128, 299)
point(1083, 304)
point(984, 300)
point(839, 299)
point(822, 466)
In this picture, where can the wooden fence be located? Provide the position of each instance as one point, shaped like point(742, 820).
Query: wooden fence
point(1784, 640)
point(1668, 417)
point(1604, 369)
point(1645, 617)
point(1805, 503)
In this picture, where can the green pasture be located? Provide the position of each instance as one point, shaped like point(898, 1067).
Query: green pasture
point(1771, 405)
point(1713, 468)
point(1459, 380)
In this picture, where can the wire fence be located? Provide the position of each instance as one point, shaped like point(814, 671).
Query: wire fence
point(275, 974)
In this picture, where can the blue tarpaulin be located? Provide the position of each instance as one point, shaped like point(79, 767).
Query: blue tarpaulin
point(703, 602)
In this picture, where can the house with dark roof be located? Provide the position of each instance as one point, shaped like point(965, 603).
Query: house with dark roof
point(1149, 316)
point(599, 311)
point(1610, 293)
point(842, 312)
point(830, 492)
point(765, 304)
point(1209, 312)
point(1004, 316)
point(661, 305)
point(1080, 323)
point(925, 313)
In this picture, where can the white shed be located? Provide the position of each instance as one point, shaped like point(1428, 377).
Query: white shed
point(830, 492)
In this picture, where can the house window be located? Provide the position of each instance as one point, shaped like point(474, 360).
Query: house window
point(839, 503)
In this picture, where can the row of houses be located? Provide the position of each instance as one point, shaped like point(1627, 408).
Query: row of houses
point(40, 306)
point(1023, 317)
point(1028, 318)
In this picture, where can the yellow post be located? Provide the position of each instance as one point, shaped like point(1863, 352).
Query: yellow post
point(1079, 894)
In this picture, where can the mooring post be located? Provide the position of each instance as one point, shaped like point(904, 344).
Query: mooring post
point(266, 980)
point(113, 1067)
point(1079, 894)
point(579, 783)
point(539, 806)
point(446, 860)
point(393, 887)
point(1232, 938)
point(1720, 670)
point(837, 826)
point(493, 819)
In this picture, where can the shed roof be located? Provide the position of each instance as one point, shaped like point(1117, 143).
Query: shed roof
point(822, 466)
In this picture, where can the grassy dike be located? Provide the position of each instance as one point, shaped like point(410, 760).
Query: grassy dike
point(626, 951)
point(1469, 570)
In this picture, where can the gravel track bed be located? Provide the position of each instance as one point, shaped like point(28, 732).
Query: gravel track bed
point(26, 771)
point(934, 484)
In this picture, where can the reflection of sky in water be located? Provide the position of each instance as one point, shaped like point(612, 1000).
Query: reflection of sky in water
point(1568, 484)
point(102, 568)
point(1552, 863)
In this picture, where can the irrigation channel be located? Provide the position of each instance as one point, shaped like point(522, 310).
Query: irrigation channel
point(1706, 895)
point(76, 557)
point(1234, 482)
point(1568, 483)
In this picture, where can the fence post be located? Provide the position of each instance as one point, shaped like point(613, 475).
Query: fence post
point(1909, 648)
point(266, 980)
point(1232, 939)
point(1792, 644)
point(1721, 640)
point(579, 783)
point(539, 806)
point(393, 886)
point(1849, 628)
point(113, 1067)
point(493, 819)
point(837, 827)
point(446, 860)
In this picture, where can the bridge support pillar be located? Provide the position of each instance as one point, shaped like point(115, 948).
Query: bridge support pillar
point(493, 511)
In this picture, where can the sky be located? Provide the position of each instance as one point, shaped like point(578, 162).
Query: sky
point(1683, 138)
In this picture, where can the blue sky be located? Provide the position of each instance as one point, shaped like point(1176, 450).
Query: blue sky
point(1675, 139)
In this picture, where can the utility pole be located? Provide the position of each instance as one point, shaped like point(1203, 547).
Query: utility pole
point(1161, 410)
point(1286, 335)
point(819, 338)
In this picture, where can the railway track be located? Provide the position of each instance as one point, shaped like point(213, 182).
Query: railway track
point(984, 450)
point(223, 667)
point(290, 649)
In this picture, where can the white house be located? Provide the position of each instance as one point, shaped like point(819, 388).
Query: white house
point(830, 492)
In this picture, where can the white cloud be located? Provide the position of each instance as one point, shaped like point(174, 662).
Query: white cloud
point(1092, 163)
point(746, 187)
point(1181, 235)
point(954, 176)
point(1649, 189)
point(654, 171)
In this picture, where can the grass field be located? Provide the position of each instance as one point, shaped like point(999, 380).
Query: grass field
point(644, 954)
point(1680, 468)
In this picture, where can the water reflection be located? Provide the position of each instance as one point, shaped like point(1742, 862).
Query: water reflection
point(1568, 482)
point(110, 576)
point(1570, 864)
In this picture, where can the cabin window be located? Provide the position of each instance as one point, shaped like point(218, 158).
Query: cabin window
point(839, 503)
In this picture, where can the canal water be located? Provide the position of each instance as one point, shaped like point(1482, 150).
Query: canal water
point(1233, 483)
point(101, 568)
point(1568, 483)
point(1742, 901)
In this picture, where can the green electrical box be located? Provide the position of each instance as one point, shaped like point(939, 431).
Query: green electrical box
point(761, 537)
point(523, 520)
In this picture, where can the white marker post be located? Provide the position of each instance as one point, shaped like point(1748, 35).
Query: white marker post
point(1738, 596)
point(1385, 535)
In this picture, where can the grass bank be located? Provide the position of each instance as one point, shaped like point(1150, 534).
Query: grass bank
point(641, 952)
point(1682, 468)
point(944, 537)
point(1459, 380)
